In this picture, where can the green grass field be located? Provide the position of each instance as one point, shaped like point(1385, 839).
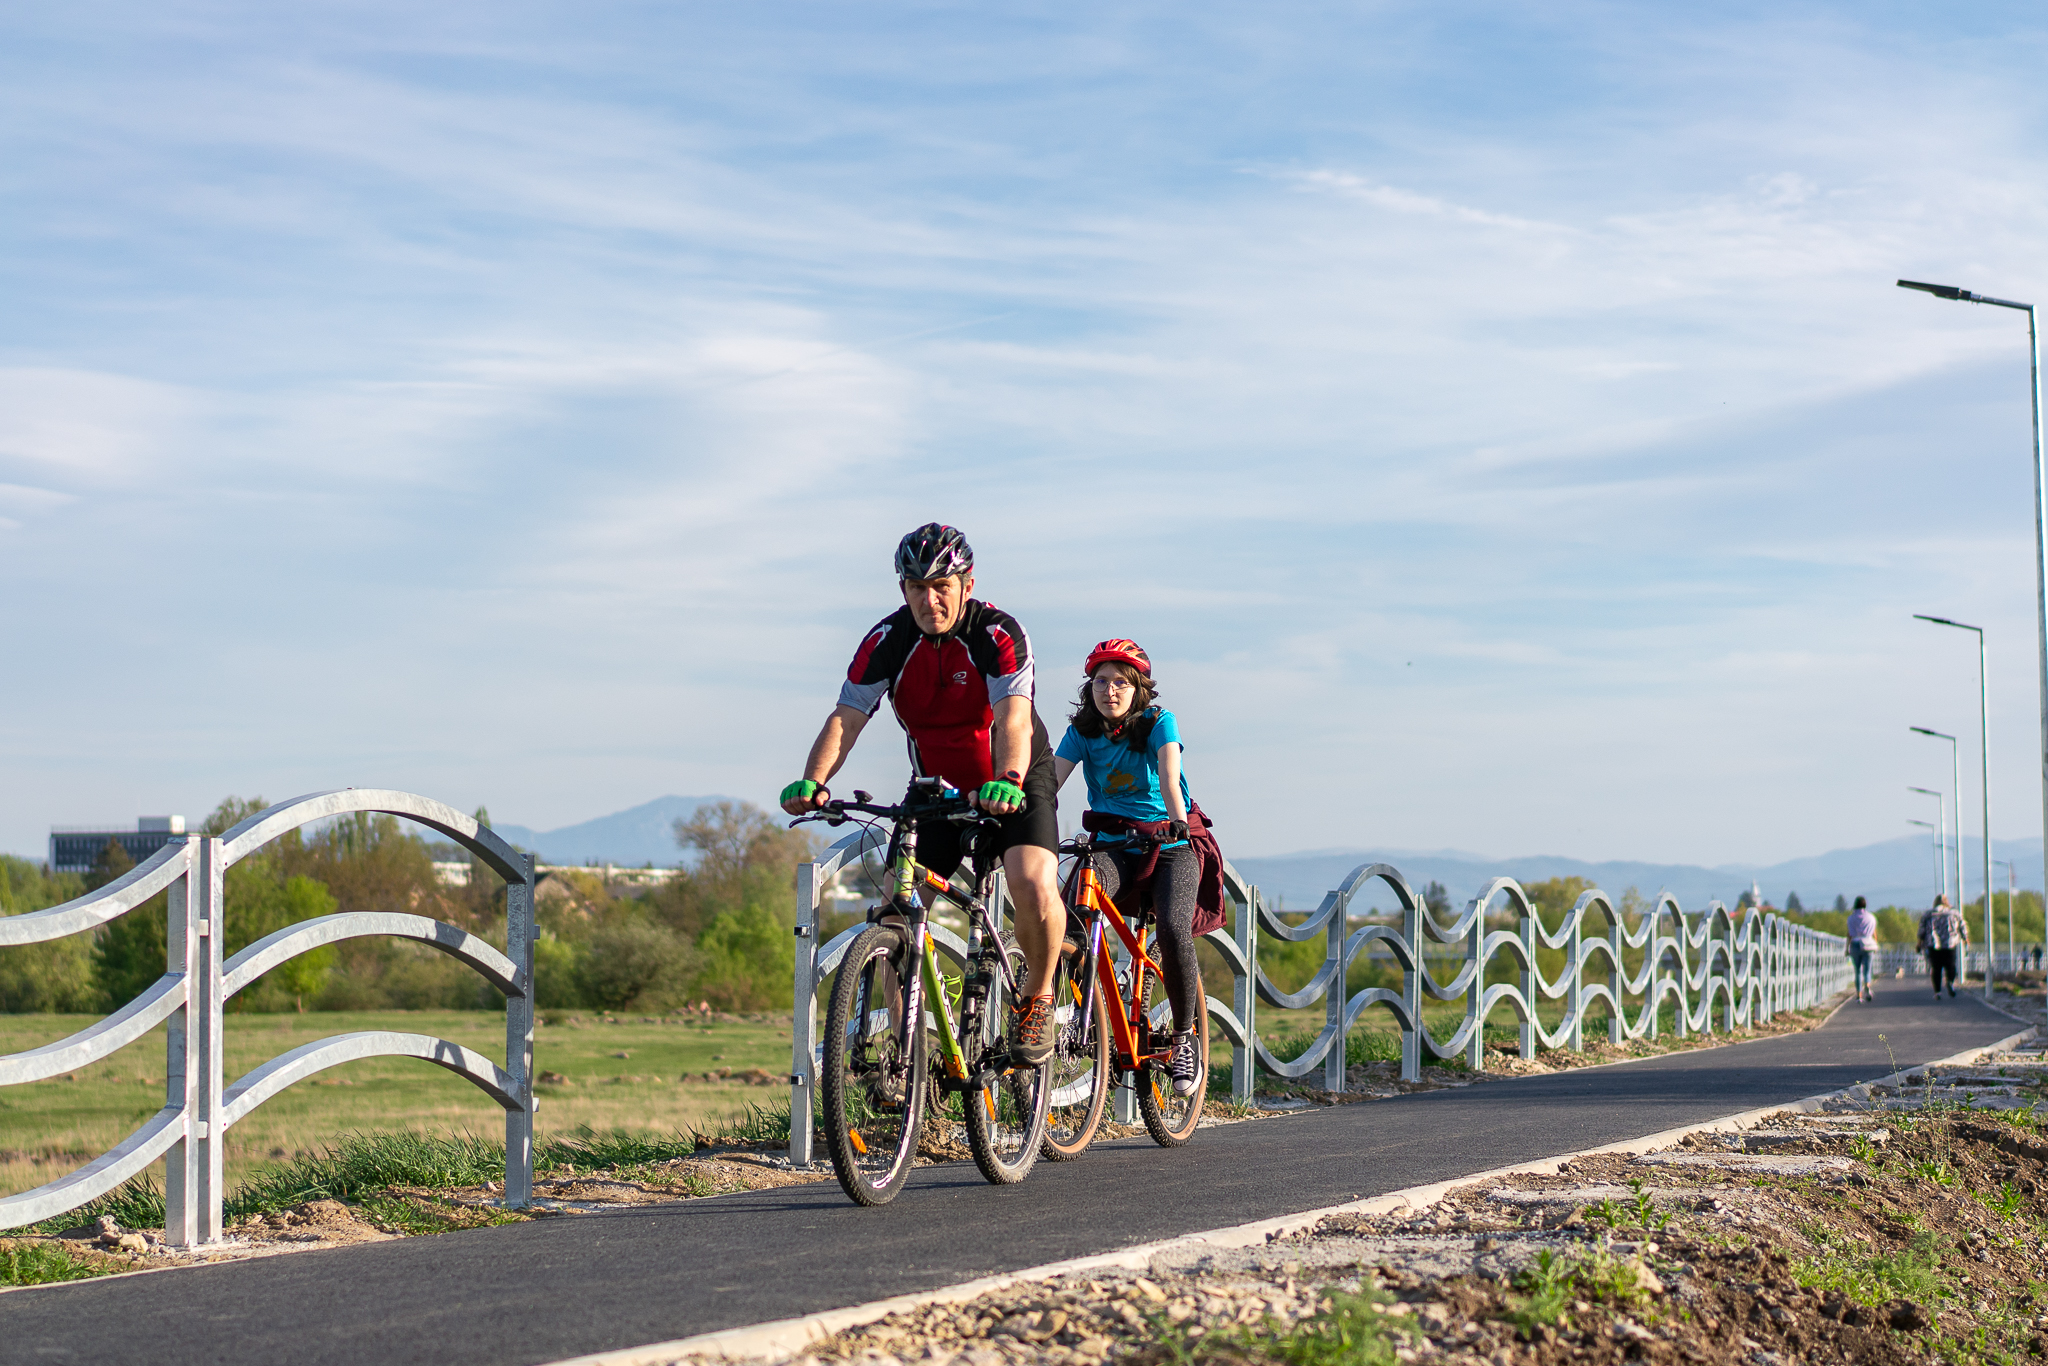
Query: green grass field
point(49, 1128)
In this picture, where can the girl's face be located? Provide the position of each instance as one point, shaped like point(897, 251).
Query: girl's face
point(1112, 692)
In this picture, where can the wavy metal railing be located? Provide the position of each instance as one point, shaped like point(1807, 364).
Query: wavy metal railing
point(190, 1131)
point(1689, 961)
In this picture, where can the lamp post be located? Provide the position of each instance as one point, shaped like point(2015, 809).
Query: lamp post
point(2040, 517)
point(1984, 767)
point(1955, 765)
point(1941, 849)
point(2012, 950)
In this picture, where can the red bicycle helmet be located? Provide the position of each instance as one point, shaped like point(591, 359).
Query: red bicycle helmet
point(1122, 652)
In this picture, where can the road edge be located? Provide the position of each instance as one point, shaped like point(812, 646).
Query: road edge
point(784, 1337)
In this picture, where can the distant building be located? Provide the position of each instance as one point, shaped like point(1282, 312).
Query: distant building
point(76, 848)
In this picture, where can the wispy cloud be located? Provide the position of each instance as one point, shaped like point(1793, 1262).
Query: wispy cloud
point(1522, 404)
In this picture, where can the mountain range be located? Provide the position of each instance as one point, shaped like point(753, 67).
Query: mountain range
point(638, 835)
point(1897, 872)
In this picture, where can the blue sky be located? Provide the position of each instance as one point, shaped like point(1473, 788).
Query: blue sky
point(1502, 429)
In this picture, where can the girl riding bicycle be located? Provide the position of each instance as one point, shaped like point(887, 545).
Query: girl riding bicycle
point(1152, 844)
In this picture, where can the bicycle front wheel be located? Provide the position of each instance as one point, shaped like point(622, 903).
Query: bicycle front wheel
point(874, 1069)
point(1006, 1113)
point(1079, 1085)
point(1171, 1118)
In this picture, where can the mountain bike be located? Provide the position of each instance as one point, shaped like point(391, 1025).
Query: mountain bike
point(1113, 1022)
point(889, 997)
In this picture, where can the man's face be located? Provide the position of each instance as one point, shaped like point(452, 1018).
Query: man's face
point(936, 604)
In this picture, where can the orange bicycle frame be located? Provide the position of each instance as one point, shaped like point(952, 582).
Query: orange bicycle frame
point(1125, 1020)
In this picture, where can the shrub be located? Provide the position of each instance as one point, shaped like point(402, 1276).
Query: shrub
point(749, 960)
point(631, 961)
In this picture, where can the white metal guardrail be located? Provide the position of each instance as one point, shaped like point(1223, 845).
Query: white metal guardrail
point(1692, 962)
point(1892, 960)
point(189, 1132)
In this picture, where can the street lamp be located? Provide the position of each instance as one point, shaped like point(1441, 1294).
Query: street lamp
point(1941, 850)
point(1984, 764)
point(2012, 950)
point(2040, 519)
point(1955, 770)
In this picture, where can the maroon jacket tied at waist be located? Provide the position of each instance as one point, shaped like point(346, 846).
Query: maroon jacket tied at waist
point(1209, 912)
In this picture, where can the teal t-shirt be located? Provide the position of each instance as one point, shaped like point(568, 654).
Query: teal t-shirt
point(1121, 781)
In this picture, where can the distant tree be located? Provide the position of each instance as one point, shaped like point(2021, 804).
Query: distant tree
point(1841, 902)
point(735, 903)
point(129, 953)
point(1556, 896)
point(56, 974)
point(635, 963)
point(1437, 898)
point(1745, 901)
point(1792, 903)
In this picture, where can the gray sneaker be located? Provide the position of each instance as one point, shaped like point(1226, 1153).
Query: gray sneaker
point(1183, 1066)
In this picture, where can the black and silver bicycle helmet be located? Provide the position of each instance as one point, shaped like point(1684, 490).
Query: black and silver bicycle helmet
point(933, 552)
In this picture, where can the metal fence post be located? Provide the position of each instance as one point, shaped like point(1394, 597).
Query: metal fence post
point(1615, 981)
point(1653, 978)
point(1530, 989)
point(1333, 1004)
point(1244, 1059)
point(1575, 993)
point(204, 1126)
point(803, 1015)
point(519, 934)
point(1681, 1012)
point(1411, 994)
point(181, 1042)
point(1475, 991)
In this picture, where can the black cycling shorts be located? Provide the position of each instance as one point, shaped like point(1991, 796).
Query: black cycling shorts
point(1036, 826)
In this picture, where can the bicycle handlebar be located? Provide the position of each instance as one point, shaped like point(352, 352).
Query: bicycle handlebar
point(948, 804)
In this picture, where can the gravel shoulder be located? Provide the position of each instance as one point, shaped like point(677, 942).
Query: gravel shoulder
point(1900, 1224)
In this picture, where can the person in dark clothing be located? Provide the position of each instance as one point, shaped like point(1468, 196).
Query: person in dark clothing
point(1943, 936)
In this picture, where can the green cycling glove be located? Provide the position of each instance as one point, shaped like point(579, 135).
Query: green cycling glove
point(1001, 791)
point(802, 790)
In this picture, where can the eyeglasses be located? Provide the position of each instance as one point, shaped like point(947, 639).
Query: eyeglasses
point(1113, 684)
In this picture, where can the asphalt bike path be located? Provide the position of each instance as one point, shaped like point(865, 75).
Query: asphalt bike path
point(563, 1287)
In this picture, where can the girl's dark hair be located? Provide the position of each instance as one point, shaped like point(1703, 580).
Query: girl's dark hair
point(1861, 904)
point(1137, 728)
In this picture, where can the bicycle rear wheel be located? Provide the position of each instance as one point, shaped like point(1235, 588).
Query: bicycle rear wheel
point(874, 1070)
point(1171, 1118)
point(1079, 1084)
point(1006, 1115)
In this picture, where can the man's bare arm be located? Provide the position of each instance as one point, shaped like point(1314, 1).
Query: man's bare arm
point(1010, 741)
point(828, 753)
point(1013, 735)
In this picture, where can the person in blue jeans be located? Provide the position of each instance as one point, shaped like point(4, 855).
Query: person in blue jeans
point(1129, 750)
point(1862, 934)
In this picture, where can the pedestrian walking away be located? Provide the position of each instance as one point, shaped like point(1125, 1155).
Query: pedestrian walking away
point(1862, 947)
point(1943, 936)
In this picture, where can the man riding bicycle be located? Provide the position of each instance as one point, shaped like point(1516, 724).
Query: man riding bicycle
point(958, 673)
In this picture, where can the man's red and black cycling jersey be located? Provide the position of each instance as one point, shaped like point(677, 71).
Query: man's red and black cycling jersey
point(944, 688)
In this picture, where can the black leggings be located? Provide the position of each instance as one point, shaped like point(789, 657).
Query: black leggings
point(1942, 963)
point(1174, 885)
